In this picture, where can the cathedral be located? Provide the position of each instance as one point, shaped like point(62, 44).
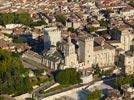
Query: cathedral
point(91, 51)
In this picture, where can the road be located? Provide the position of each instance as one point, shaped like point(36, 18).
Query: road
point(81, 88)
point(35, 92)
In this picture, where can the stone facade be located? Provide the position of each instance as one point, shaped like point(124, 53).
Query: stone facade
point(86, 47)
point(91, 51)
point(70, 54)
point(95, 50)
point(52, 35)
point(129, 63)
point(126, 56)
point(53, 59)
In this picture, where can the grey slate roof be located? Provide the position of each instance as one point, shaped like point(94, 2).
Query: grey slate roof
point(53, 55)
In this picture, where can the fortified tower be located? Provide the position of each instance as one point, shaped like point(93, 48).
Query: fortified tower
point(86, 50)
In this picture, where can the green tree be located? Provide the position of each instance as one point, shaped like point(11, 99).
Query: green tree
point(38, 72)
point(1, 20)
point(97, 71)
point(91, 29)
point(2, 98)
point(61, 19)
point(125, 80)
point(95, 95)
point(19, 18)
point(103, 23)
point(71, 29)
point(25, 18)
point(7, 18)
point(68, 76)
point(131, 3)
point(13, 77)
point(14, 18)
point(107, 73)
point(38, 23)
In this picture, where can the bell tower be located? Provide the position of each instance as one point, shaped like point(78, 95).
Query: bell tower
point(70, 54)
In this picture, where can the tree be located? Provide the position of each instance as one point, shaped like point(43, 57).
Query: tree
point(14, 18)
point(91, 29)
point(107, 73)
point(38, 72)
point(71, 29)
point(8, 18)
point(38, 23)
point(68, 76)
point(131, 3)
point(2, 98)
point(61, 19)
point(13, 77)
point(95, 95)
point(19, 18)
point(103, 23)
point(120, 81)
point(25, 18)
point(97, 71)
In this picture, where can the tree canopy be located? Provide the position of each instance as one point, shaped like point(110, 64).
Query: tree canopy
point(14, 78)
point(15, 18)
point(98, 72)
point(95, 95)
point(19, 18)
point(38, 23)
point(131, 3)
point(61, 19)
point(125, 80)
point(68, 76)
point(103, 23)
point(71, 29)
point(91, 29)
